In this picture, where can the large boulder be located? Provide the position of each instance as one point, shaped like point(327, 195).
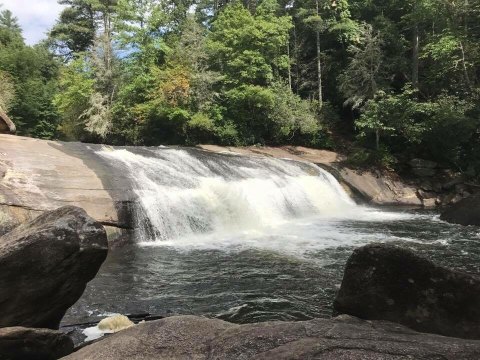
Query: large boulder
point(45, 265)
point(464, 212)
point(19, 343)
point(345, 337)
point(385, 282)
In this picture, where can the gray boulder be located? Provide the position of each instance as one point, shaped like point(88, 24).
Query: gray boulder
point(423, 168)
point(464, 212)
point(345, 337)
point(19, 343)
point(385, 282)
point(45, 265)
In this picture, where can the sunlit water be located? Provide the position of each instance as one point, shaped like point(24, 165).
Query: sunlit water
point(249, 240)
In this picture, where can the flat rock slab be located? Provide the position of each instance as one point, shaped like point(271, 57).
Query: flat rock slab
point(345, 337)
point(38, 175)
point(45, 265)
point(385, 282)
point(19, 343)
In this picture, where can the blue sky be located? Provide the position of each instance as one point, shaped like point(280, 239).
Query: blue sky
point(36, 17)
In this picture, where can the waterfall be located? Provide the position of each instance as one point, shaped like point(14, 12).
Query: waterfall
point(183, 192)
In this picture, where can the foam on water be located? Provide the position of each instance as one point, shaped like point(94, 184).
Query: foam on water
point(195, 200)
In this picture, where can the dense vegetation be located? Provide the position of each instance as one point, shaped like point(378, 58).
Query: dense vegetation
point(395, 79)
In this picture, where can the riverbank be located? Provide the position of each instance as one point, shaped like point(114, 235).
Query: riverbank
point(38, 175)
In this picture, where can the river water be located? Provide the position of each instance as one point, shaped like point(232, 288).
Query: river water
point(248, 239)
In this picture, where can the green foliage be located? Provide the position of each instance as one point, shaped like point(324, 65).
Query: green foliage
point(28, 81)
point(241, 73)
point(7, 91)
point(72, 101)
point(290, 115)
point(74, 31)
point(436, 128)
point(366, 158)
point(363, 76)
point(249, 49)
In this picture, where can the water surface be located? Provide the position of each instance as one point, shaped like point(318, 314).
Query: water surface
point(287, 271)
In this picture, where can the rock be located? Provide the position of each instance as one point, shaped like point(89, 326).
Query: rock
point(45, 265)
point(424, 172)
point(385, 282)
point(464, 212)
point(451, 198)
point(115, 323)
point(45, 175)
point(459, 179)
point(422, 194)
point(345, 337)
point(423, 168)
point(19, 343)
point(426, 185)
point(383, 188)
point(421, 163)
point(461, 188)
point(429, 203)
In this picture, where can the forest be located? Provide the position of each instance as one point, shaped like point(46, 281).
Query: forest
point(383, 80)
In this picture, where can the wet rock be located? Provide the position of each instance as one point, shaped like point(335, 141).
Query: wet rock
point(426, 194)
point(380, 188)
point(451, 198)
point(464, 212)
point(385, 282)
point(345, 337)
point(429, 203)
point(45, 265)
point(19, 343)
point(453, 182)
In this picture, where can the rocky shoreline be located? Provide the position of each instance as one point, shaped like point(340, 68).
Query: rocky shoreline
point(392, 304)
point(73, 174)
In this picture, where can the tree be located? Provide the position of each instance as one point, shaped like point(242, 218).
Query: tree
point(10, 31)
point(72, 101)
point(7, 91)
point(10, 22)
point(250, 49)
point(363, 76)
point(75, 29)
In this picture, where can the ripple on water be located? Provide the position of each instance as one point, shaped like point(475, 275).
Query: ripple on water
point(286, 272)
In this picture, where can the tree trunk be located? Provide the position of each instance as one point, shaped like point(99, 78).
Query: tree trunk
point(289, 66)
point(297, 60)
point(465, 69)
point(6, 125)
point(416, 45)
point(319, 62)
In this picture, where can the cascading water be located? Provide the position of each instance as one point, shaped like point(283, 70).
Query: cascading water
point(246, 238)
point(185, 192)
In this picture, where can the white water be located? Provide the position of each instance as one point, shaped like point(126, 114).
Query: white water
point(192, 199)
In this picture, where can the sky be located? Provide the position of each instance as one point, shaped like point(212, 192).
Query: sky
point(36, 17)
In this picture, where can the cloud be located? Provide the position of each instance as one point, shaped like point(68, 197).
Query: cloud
point(36, 17)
